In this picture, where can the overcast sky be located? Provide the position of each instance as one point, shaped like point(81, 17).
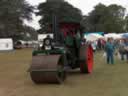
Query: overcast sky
point(85, 6)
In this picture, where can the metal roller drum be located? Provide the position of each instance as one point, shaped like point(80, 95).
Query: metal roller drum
point(47, 69)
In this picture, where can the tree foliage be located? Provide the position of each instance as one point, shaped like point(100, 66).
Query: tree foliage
point(12, 14)
point(63, 10)
point(105, 18)
point(126, 23)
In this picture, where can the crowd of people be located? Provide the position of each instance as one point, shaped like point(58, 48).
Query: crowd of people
point(111, 48)
point(98, 45)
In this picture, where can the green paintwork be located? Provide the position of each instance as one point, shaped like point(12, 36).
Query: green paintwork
point(54, 51)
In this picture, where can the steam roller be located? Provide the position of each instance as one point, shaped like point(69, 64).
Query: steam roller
point(58, 54)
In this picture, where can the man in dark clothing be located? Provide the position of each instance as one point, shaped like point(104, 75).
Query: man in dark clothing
point(77, 43)
point(47, 42)
point(69, 42)
point(99, 44)
point(126, 49)
point(122, 49)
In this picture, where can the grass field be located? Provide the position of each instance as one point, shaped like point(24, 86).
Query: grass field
point(106, 80)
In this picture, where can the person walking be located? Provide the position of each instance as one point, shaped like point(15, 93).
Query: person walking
point(109, 48)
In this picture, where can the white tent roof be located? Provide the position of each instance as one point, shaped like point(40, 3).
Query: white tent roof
point(6, 40)
point(113, 35)
point(6, 44)
point(42, 36)
point(93, 37)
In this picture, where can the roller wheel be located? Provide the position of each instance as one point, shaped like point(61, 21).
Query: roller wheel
point(48, 69)
point(86, 59)
point(39, 77)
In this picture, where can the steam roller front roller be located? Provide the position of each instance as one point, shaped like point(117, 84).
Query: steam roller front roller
point(47, 69)
point(86, 58)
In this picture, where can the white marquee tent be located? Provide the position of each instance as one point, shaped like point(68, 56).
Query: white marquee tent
point(93, 37)
point(112, 35)
point(6, 44)
point(42, 36)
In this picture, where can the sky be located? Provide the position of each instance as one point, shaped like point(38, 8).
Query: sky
point(85, 6)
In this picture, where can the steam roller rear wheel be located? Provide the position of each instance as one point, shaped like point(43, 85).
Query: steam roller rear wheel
point(47, 69)
point(86, 59)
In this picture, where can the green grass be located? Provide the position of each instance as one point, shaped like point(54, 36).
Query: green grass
point(106, 80)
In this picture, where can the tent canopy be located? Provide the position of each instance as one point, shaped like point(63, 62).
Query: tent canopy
point(6, 44)
point(93, 37)
point(42, 36)
point(112, 35)
point(125, 35)
point(100, 33)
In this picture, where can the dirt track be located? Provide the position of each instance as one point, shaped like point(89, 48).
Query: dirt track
point(106, 80)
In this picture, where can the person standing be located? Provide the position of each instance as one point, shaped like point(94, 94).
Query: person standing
point(122, 50)
point(69, 42)
point(126, 49)
point(109, 48)
point(99, 44)
point(93, 44)
point(77, 39)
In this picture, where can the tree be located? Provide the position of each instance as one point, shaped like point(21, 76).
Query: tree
point(115, 23)
point(96, 18)
point(106, 19)
point(126, 23)
point(87, 26)
point(12, 15)
point(63, 10)
point(31, 31)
